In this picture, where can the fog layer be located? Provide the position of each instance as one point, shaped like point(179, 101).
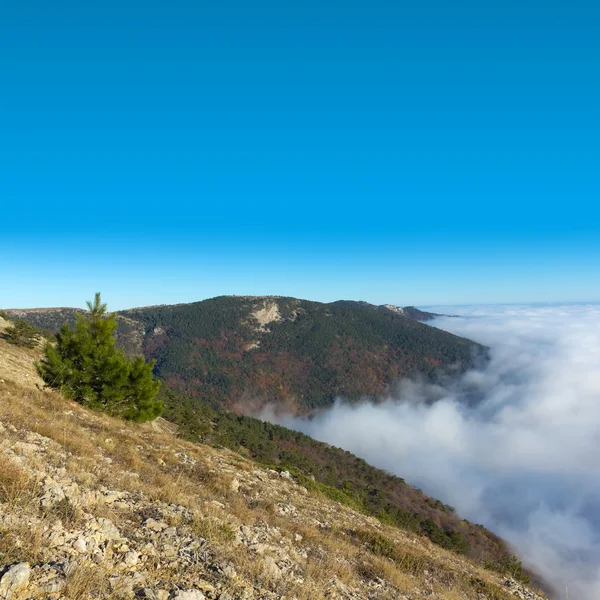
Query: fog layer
point(514, 445)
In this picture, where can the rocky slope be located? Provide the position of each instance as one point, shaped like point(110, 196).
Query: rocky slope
point(92, 507)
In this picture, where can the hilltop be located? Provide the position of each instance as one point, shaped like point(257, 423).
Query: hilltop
point(240, 352)
point(94, 507)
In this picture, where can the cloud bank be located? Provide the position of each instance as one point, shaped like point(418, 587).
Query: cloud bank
point(514, 445)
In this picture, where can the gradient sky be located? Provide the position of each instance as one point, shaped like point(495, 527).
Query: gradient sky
point(404, 152)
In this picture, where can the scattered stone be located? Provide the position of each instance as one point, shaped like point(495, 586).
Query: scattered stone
point(270, 568)
point(131, 558)
point(154, 525)
point(151, 594)
point(15, 579)
point(189, 595)
point(170, 532)
point(228, 570)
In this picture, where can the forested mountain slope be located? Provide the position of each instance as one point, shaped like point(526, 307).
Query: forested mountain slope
point(240, 352)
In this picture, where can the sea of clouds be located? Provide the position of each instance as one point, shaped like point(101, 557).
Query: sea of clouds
point(514, 444)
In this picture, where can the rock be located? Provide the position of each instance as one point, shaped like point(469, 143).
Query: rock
point(270, 568)
point(228, 570)
point(131, 558)
point(154, 525)
point(56, 540)
point(519, 590)
point(260, 548)
point(15, 579)
point(110, 498)
point(285, 509)
point(52, 587)
point(80, 545)
point(285, 475)
point(170, 532)
point(189, 595)
point(151, 594)
point(114, 582)
point(169, 551)
point(53, 493)
point(25, 449)
point(108, 530)
point(149, 550)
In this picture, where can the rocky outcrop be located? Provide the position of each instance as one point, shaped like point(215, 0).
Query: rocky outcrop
point(396, 309)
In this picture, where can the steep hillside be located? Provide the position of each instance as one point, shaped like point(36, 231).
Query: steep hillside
point(92, 507)
point(241, 352)
point(338, 474)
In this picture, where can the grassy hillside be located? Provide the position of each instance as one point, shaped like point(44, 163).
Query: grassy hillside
point(341, 476)
point(240, 352)
point(93, 507)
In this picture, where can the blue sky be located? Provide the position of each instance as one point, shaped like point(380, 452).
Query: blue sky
point(413, 153)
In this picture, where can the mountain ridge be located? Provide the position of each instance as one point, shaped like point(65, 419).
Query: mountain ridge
point(246, 351)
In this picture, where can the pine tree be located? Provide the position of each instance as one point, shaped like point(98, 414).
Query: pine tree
point(86, 366)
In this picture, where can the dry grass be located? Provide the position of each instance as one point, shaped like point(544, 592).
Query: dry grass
point(87, 582)
point(17, 487)
point(22, 541)
point(16, 364)
point(147, 460)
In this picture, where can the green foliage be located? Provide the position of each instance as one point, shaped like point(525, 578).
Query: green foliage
point(419, 315)
point(335, 494)
point(22, 334)
point(86, 366)
point(216, 349)
point(484, 589)
point(378, 544)
point(4, 315)
point(452, 540)
point(510, 565)
point(315, 352)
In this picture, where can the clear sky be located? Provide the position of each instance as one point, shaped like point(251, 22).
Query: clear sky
point(405, 152)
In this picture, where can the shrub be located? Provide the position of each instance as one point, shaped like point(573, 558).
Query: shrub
point(509, 565)
point(22, 334)
point(86, 366)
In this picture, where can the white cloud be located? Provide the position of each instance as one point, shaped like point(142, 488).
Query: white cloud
point(514, 445)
